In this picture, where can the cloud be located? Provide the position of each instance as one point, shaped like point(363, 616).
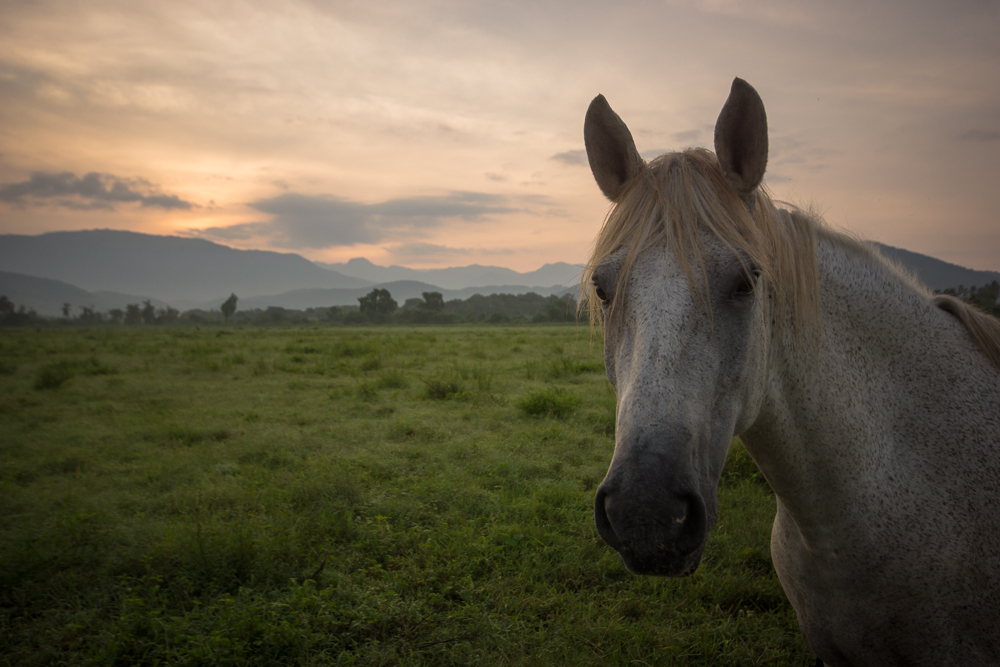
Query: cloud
point(982, 136)
point(469, 206)
point(572, 158)
point(89, 192)
point(311, 221)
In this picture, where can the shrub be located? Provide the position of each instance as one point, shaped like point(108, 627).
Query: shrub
point(439, 389)
point(557, 403)
point(55, 375)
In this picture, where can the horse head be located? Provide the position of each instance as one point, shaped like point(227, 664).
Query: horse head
point(679, 278)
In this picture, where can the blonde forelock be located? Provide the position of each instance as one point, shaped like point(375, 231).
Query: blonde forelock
point(679, 197)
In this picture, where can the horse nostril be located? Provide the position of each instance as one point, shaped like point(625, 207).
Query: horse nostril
point(604, 526)
point(692, 524)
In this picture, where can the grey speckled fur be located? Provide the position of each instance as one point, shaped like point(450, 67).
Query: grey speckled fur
point(881, 442)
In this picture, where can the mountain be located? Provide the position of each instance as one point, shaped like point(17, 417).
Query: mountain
point(108, 269)
point(46, 296)
point(460, 277)
point(935, 273)
point(170, 268)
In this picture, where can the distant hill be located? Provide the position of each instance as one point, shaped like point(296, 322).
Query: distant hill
point(460, 277)
point(935, 273)
point(108, 269)
point(170, 268)
point(46, 296)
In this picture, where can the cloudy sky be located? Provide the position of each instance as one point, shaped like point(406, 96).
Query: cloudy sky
point(440, 133)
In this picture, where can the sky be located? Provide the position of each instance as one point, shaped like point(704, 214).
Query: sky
point(443, 133)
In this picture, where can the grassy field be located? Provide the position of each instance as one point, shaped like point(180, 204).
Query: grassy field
point(338, 496)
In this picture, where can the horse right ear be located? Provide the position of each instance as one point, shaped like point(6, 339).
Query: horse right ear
point(741, 140)
point(611, 150)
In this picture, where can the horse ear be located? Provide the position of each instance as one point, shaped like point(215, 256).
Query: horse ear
point(610, 148)
point(741, 140)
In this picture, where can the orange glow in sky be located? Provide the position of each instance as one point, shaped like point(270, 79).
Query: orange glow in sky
point(444, 133)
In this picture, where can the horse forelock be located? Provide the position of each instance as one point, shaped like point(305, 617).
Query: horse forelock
point(677, 198)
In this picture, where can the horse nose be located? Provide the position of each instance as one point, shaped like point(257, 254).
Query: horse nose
point(659, 534)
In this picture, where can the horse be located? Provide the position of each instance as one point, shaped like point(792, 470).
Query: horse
point(870, 406)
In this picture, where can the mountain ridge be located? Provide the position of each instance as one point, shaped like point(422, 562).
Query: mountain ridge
point(109, 269)
point(169, 268)
point(937, 273)
point(460, 277)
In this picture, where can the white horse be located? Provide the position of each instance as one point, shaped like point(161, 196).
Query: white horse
point(871, 407)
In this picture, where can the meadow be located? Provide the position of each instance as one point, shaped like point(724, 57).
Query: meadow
point(356, 496)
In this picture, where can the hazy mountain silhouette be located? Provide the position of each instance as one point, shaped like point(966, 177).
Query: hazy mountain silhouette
point(107, 269)
point(938, 274)
point(170, 268)
point(46, 296)
point(460, 277)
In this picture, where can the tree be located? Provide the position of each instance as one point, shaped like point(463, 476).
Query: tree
point(167, 315)
point(561, 309)
point(228, 306)
point(133, 314)
point(66, 309)
point(378, 302)
point(89, 315)
point(148, 312)
point(433, 301)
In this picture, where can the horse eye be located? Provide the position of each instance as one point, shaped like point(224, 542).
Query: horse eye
point(745, 284)
point(601, 294)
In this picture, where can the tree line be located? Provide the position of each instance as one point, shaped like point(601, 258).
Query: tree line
point(376, 307)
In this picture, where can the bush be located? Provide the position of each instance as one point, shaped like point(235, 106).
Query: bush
point(440, 389)
point(53, 376)
point(557, 403)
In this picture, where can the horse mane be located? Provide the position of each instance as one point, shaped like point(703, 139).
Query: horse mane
point(983, 327)
point(678, 196)
point(675, 198)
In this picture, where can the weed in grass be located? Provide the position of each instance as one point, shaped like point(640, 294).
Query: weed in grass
point(440, 389)
point(54, 375)
point(555, 402)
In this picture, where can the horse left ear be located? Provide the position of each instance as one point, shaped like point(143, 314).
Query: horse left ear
point(741, 140)
point(611, 150)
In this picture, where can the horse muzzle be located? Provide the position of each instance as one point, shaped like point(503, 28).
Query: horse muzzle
point(662, 534)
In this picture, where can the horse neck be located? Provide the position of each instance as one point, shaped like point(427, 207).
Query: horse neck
point(835, 419)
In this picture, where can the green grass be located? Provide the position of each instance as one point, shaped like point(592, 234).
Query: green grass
point(344, 496)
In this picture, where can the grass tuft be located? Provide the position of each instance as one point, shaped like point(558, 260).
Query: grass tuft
point(54, 375)
point(555, 402)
